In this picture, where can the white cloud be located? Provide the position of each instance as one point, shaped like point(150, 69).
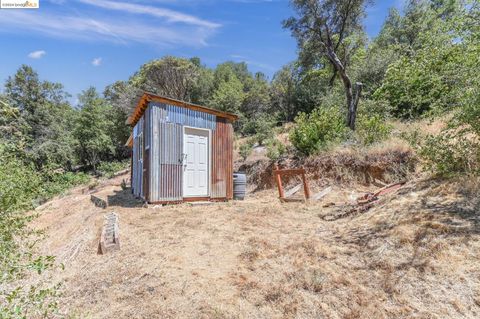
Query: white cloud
point(238, 56)
point(37, 54)
point(97, 61)
point(109, 29)
point(169, 15)
point(241, 58)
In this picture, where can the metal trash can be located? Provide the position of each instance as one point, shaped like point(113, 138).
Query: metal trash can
point(239, 185)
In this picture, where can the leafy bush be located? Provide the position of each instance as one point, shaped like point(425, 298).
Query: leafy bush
point(275, 149)
point(245, 149)
point(58, 183)
point(372, 129)
point(264, 132)
point(318, 130)
point(432, 80)
point(20, 184)
point(456, 150)
point(452, 152)
point(21, 187)
point(108, 169)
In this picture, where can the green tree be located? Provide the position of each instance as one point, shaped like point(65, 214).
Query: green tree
point(93, 128)
point(115, 94)
point(169, 76)
point(441, 64)
point(257, 97)
point(228, 94)
point(283, 92)
point(204, 86)
point(44, 120)
point(323, 28)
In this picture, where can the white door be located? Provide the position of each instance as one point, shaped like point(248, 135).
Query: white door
point(195, 163)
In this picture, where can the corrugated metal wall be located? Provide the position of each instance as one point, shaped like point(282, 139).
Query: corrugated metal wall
point(137, 176)
point(166, 151)
point(222, 160)
point(166, 174)
point(183, 116)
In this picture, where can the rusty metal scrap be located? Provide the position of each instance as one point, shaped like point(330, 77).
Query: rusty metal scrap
point(363, 203)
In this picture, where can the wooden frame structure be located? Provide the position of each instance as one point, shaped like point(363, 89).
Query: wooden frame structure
point(278, 173)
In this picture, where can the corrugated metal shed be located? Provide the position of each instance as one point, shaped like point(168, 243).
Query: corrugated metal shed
point(164, 121)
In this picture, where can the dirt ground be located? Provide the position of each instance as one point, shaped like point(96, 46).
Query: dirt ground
point(415, 255)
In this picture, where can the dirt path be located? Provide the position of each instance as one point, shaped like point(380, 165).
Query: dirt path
point(414, 256)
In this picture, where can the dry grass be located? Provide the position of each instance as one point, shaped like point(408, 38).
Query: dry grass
point(425, 126)
point(415, 255)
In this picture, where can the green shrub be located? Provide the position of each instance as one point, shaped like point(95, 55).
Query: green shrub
point(20, 187)
point(451, 153)
point(108, 169)
point(275, 149)
point(372, 129)
point(245, 149)
point(20, 184)
point(264, 132)
point(456, 150)
point(57, 183)
point(318, 130)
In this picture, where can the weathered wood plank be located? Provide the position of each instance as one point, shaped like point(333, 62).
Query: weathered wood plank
point(323, 193)
point(293, 190)
point(110, 235)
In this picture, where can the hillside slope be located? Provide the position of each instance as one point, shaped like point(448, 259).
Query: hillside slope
point(415, 255)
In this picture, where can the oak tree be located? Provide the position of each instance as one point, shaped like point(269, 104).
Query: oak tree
point(323, 26)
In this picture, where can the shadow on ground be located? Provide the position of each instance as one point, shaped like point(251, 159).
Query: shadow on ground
point(124, 198)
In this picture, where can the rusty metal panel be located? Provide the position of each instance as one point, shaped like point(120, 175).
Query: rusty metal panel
point(222, 160)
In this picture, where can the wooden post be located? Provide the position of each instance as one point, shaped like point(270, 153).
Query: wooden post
point(306, 189)
point(278, 179)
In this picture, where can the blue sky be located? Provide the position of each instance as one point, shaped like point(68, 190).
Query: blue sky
point(80, 43)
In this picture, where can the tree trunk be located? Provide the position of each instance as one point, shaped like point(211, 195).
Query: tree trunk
point(352, 110)
point(334, 76)
point(352, 100)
